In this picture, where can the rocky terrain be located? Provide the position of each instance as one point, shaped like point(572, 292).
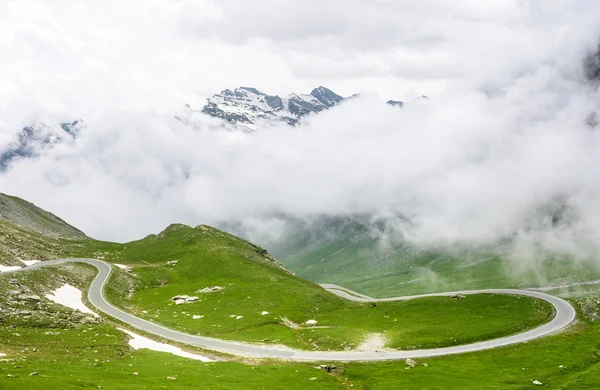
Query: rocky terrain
point(28, 232)
point(28, 215)
point(24, 304)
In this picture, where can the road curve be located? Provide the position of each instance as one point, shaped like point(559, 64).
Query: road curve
point(565, 314)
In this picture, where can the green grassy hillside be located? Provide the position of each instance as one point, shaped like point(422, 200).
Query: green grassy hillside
point(261, 301)
point(358, 252)
point(253, 283)
point(96, 355)
point(50, 346)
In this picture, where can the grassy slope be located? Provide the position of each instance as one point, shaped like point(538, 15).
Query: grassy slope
point(577, 350)
point(100, 357)
point(68, 355)
point(72, 362)
point(348, 255)
point(253, 284)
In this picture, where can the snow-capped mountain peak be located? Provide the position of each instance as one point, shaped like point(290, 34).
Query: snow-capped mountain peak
point(248, 106)
point(326, 96)
point(34, 138)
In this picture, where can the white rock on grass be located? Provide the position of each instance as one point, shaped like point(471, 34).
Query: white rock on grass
point(197, 317)
point(264, 313)
point(311, 322)
point(180, 299)
point(69, 296)
point(211, 289)
point(140, 342)
point(2, 354)
point(536, 382)
point(29, 262)
point(411, 362)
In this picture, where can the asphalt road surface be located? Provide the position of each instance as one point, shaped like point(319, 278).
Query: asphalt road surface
point(565, 314)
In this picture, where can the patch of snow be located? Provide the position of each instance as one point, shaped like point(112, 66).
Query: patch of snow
point(69, 296)
point(6, 268)
point(122, 266)
point(140, 342)
point(264, 313)
point(536, 382)
point(196, 317)
point(29, 262)
point(239, 317)
point(372, 343)
point(311, 322)
point(2, 354)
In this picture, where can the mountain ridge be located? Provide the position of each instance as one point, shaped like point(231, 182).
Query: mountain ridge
point(31, 139)
point(248, 106)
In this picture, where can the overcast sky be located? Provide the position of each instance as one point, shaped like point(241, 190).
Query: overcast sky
point(504, 129)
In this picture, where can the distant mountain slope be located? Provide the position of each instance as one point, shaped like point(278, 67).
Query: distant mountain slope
point(32, 139)
point(368, 254)
point(25, 214)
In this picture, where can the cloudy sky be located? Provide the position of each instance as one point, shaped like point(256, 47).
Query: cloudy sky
point(504, 131)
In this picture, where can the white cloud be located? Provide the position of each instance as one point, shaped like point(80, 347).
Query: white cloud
point(504, 131)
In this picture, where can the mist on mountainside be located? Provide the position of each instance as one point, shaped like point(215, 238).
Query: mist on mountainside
point(505, 150)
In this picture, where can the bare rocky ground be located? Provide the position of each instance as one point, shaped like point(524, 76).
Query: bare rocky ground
point(26, 214)
point(20, 244)
point(23, 302)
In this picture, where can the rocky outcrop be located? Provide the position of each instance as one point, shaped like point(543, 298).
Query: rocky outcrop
point(22, 307)
point(181, 299)
point(211, 289)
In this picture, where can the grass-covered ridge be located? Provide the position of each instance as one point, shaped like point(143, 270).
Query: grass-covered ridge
point(256, 284)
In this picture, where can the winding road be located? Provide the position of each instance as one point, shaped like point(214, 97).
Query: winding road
point(565, 314)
